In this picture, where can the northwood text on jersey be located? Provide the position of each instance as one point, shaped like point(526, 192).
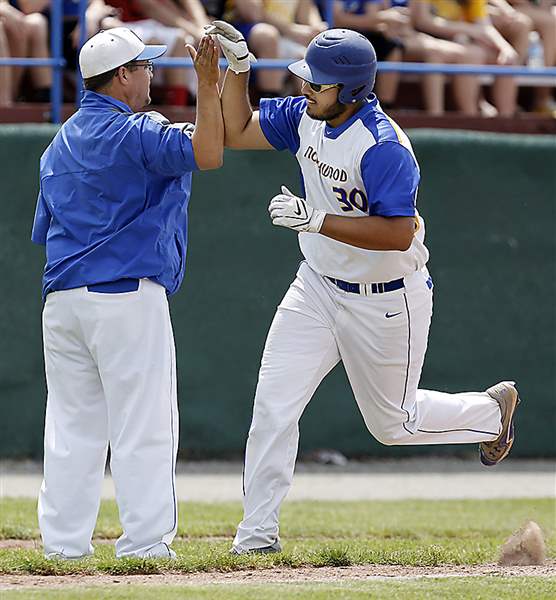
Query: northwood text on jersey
point(324, 169)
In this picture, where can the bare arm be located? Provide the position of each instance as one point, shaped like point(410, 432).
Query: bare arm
point(423, 20)
point(367, 21)
point(195, 12)
point(371, 233)
point(308, 14)
point(241, 124)
point(491, 37)
point(168, 15)
point(208, 138)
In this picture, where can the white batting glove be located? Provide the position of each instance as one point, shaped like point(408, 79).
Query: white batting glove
point(233, 45)
point(288, 210)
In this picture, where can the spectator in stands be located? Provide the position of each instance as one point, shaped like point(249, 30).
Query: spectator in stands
point(513, 25)
point(96, 11)
point(422, 47)
point(27, 36)
point(298, 22)
point(392, 26)
point(543, 16)
point(5, 72)
point(382, 28)
point(275, 29)
point(163, 22)
point(467, 22)
point(194, 14)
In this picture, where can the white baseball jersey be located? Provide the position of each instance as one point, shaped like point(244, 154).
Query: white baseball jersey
point(364, 167)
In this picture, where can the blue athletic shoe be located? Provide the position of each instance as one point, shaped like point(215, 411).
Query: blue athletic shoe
point(505, 393)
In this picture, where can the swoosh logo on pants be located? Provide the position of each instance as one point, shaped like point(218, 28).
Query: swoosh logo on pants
point(390, 315)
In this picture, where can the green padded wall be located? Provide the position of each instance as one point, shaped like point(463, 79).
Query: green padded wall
point(489, 203)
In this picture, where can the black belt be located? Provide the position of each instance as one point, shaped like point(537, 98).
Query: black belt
point(368, 288)
point(119, 286)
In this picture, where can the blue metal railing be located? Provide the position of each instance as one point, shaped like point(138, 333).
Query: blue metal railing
point(57, 62)
point(56, 49)
point(82, 40)
point(390, 67)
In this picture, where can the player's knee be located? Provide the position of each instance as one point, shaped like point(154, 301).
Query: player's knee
point(385, 439)
point(391, 435)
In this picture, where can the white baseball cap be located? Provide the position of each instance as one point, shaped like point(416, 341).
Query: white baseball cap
point(113, 48)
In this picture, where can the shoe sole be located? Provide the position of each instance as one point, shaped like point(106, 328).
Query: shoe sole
point(509, 437)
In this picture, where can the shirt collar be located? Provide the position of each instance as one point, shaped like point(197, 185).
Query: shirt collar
point(96, 100)
point(369, 104)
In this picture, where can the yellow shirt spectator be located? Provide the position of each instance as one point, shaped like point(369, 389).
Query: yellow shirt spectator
point(460, 10)
point(282, 8)
point(286, 9)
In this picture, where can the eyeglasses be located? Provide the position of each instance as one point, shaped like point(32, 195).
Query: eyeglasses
point(147, 64)
point(321, 87)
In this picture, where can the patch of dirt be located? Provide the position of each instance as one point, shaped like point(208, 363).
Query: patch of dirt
point(10, 544)
point(277, 575)
point(36, 544)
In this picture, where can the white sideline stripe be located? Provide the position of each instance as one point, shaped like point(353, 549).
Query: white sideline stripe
point(339, 486)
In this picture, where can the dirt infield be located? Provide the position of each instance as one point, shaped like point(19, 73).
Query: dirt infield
point(278, 575)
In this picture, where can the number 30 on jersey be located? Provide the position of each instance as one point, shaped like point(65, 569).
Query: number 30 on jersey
point(350, 200)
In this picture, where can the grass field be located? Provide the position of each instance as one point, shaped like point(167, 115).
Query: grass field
point(472, 588)
point(316, 535)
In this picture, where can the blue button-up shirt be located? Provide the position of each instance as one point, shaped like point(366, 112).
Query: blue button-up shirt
point(114, 190)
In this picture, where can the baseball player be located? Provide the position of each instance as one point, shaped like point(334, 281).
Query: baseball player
point(363, 294)
point(112, 212)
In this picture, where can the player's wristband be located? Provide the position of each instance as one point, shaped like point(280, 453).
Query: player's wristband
point(239, 65)
point(317, 219)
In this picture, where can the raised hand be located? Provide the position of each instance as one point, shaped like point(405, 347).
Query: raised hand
point(205, 61)
point(233, 45)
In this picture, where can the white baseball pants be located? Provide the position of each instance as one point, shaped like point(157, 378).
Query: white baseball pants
point(111, 378)
point(381, 340)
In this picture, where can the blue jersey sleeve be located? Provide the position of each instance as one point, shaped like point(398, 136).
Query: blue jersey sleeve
point(41, 224)
point(391, 177)
point(167, 150)
point(279, 119)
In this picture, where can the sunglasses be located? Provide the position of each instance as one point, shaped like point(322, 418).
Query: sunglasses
point(321, 87)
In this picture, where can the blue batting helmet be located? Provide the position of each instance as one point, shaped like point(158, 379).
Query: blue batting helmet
point(340, 56)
